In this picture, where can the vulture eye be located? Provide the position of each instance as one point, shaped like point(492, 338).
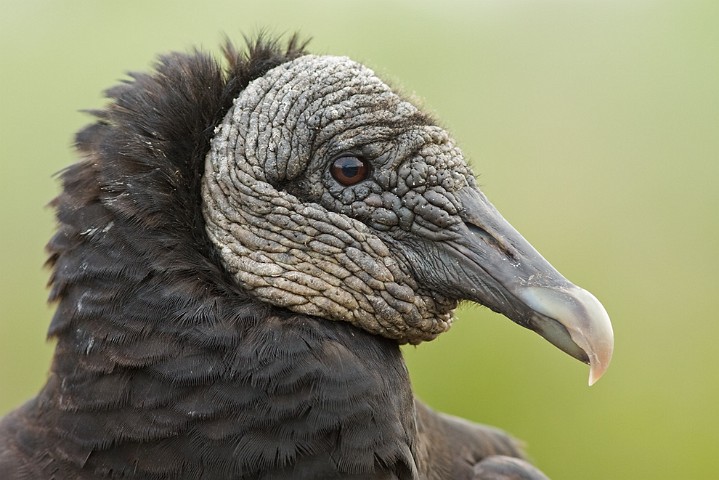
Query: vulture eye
point(349, 170)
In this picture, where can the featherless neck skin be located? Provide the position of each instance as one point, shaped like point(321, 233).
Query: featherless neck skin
point(295, 238)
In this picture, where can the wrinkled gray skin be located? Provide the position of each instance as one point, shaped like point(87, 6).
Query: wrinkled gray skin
point(333, 252)
point(392, 254)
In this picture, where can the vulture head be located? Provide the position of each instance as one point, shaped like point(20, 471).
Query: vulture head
point(327, 193)
point(239, 253)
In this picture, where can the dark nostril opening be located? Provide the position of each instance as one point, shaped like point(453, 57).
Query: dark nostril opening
point(479, 232)
point(484, 236)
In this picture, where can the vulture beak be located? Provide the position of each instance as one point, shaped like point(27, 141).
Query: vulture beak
point(500, 269)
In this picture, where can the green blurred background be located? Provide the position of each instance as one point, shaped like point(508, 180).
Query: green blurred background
point(593, 125)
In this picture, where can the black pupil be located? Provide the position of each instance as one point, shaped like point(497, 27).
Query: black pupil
point(349, 170)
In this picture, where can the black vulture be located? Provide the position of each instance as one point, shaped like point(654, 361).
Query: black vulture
point(241, 250)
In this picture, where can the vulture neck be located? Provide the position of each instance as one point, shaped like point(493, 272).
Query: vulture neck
point(161, 358)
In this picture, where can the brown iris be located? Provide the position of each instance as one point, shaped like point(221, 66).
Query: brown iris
point(349, 170)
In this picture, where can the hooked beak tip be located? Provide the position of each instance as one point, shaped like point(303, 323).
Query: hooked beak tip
point(596, 371)
point(576, 322)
